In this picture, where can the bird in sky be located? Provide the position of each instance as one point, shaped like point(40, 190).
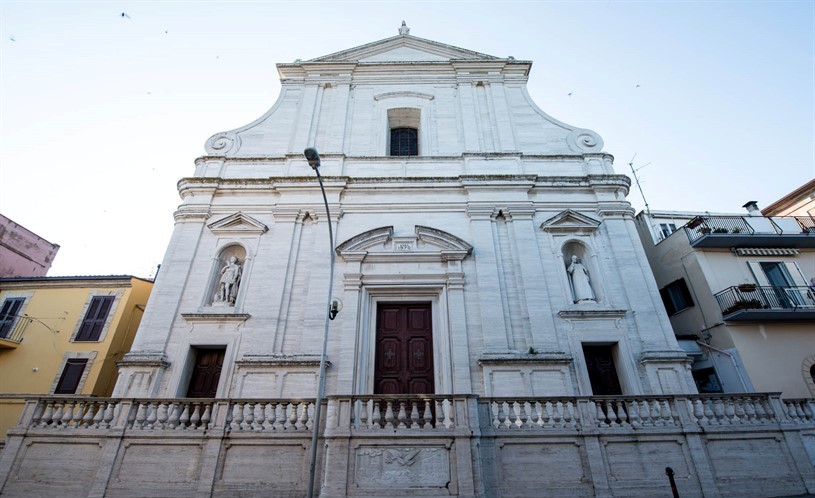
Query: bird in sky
point(636, 85)
point(569, 94)
point(124, 15)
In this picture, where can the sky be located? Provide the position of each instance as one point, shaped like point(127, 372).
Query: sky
point(102, 113)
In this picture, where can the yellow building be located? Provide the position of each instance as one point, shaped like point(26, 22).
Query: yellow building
point(64, 335)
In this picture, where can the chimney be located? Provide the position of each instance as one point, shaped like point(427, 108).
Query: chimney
point(752, 209)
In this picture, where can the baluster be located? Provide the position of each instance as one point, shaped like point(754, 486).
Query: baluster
point(301, 415)
point(47, 414)
point(269, 413)
point(141, 416)
point(309, 416)
point(601, 415)
point(709, 415)
point(612, 415)
point(152, 415)
point(512, 416)
point(259, 416)
point(621, 414)
point(500, 416)
point(67, 415)
point(87, 420)
point(730, 411)
point(173, 415)
point(699, 412)
point(546, 414)
point(428, 415)
point(195, 418)
point(749, 410)
point(248, 414)
point(56, 418)
point(75, 418)
point(718, 410)
point(645, 413)
point(292, 421)
point(634, 414)
point(161, 416)
point(363, 413)
point(740, 414)
point(557, 414)
point(523, 418)
point(761, 414)
point(667, 413)
point(206, 417)
point(376, 419)
point(107, 418)
point(280, 416)
point(184, 419)
point(569, 414)
point(414, 414)
point(237, 416)
point(534, 416)
point(389, 415)
point(448, 413)
point(800, 411)
point(402, 415)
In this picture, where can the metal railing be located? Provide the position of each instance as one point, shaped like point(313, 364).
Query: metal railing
point(747, 297)
point(701, 226)
point(15, 333)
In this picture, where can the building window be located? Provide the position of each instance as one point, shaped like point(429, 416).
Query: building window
point(676, 297)
point(71, 375)
point(404, 142)
point(95, 318)
point(667, 229)
point(8, 315)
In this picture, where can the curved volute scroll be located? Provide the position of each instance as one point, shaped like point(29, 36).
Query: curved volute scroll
point(581, 140)
point(366, 240)
point(222, 143)
point(426, 243)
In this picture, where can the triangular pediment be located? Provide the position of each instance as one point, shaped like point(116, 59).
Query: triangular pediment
point(237, 223)
point(403, 48)
point(570, 221)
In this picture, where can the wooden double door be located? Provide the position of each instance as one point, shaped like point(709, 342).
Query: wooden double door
point(404, 349)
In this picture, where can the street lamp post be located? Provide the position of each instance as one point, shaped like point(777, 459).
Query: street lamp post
point(313, 159)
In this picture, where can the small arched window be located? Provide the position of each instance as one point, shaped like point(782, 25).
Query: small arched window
point(404, 142)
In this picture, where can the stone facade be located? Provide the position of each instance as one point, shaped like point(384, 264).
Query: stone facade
point(480, 227)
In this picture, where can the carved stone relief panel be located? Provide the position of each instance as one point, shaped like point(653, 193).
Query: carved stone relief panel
point(391, 467)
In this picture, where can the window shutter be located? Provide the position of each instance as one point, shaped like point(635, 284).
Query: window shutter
point(758, 273)
point(71, 375)
point(95, 318)
point(8, 315)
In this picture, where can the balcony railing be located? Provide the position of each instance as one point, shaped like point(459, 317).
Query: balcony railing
point(742, 300)
point(14, 335)
point(741, 229)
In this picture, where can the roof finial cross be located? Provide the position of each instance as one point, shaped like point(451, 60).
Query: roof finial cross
point(403, 29)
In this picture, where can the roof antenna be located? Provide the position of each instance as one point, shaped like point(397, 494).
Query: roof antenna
point(637, 181)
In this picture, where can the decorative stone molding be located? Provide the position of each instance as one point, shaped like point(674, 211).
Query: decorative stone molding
point(216, 317)
point(570, 221)
point(380, 243)
point(412, 95)
point(280, 360)
point(237, 224)
point(548, 357)
point(665, 356)
point(144, 359)
point(588, 314)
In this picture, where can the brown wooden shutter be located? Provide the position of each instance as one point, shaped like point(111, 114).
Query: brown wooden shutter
point(71, 375)
point(94, 321)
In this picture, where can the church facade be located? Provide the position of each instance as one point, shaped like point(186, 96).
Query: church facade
point(498, 330)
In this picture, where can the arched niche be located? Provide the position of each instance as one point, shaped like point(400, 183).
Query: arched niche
point(225, 286)
point(585, 257)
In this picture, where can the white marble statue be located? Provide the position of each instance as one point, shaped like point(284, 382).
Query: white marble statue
point(230, 280)
point(581, 284)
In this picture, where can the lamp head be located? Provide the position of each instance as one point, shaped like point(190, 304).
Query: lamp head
point(312, 157)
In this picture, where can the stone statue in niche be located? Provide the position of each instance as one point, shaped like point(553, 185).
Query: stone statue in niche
point(228, 285)
point(580, 282)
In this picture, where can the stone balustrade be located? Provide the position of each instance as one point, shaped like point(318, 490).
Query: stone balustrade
point(178, 415)
point(403, 412)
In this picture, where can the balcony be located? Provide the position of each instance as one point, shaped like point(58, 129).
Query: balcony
point(751, 231)
point(12, 337)
point(751, 303)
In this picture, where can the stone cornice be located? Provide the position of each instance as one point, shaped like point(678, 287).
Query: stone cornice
point(216, 317)
point(548, 357)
